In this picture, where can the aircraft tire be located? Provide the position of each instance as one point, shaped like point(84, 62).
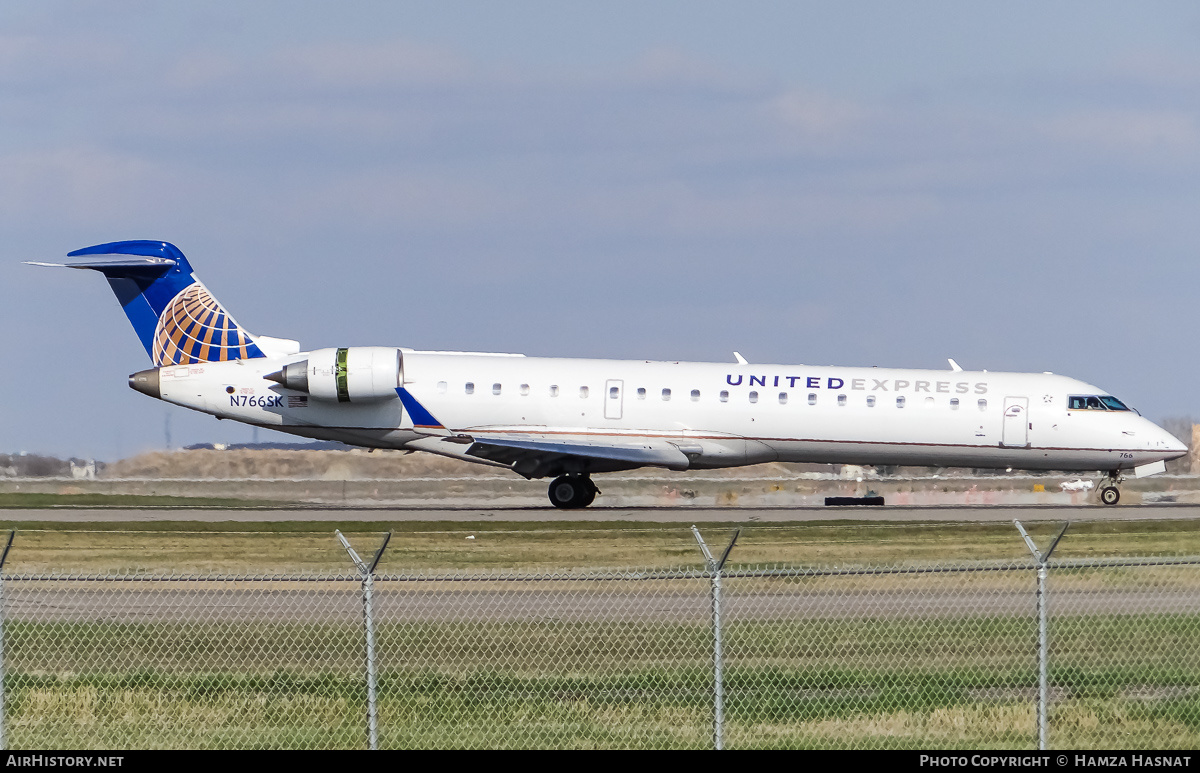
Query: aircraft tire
point(566, 492)
point(571, 492)
point(1109, 495)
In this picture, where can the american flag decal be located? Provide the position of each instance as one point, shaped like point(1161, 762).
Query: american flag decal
point(297, 401)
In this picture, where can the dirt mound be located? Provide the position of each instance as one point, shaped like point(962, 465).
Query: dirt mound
point(356, 464)
point(293, 465)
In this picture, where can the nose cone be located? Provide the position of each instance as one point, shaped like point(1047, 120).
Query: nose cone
point(146, 382)
point(1163, 441)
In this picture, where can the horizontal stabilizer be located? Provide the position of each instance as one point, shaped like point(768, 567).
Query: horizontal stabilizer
point(176, 318)
point(122, 265)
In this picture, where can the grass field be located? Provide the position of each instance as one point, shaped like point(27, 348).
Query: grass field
point(281, 547)
point(903, 684)
point(635, 674)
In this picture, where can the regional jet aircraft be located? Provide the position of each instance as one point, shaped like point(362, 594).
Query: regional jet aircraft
point(568, 419)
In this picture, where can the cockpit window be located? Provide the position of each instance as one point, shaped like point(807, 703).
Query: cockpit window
point(1095, 403)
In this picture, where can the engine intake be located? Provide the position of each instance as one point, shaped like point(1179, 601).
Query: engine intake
point(357, 374)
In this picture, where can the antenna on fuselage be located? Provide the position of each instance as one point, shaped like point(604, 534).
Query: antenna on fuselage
point(740, 359)
point(954, 366)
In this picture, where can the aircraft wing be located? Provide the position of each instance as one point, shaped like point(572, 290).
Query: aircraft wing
point(535, 456)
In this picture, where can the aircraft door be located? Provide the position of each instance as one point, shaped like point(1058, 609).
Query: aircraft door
point(613, 398)
point(1016, 422)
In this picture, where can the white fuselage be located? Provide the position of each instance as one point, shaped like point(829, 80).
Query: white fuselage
point(719, 415)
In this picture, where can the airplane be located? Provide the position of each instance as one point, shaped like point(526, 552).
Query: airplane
point(569, 419)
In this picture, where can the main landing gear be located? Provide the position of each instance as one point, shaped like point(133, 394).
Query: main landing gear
point(570, 492)
point(1109, 494)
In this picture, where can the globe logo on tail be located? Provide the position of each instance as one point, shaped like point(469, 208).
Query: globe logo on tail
point(194, 328)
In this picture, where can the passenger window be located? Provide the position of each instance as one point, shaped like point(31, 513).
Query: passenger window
point(900, 401)
point(695, 395)
point(470, 388)
point(928, 402)
point(495, 389)
point(641, 393)
point(442, 385)
point(870, 401)
point(754, 397)
point(524, 389)
point(982, 404)
point(783, 398)
point(583, 393)
point(554, 390)
point(614, 393)
point(842, 400)
point(666, 394)
point(812, 398)
point(724, 395)
point(954, 403)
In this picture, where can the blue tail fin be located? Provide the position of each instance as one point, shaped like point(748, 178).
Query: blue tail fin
point(176, 318)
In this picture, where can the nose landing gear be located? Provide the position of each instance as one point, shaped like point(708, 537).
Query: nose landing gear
point(571, 492)
point(1109, 493)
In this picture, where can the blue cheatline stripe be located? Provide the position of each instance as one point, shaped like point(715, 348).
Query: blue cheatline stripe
point(420, 416)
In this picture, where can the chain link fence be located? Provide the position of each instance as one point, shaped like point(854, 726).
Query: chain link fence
point(928, 656)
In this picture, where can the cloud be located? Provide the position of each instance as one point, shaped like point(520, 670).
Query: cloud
point(397, 198)
point(201, 70)
point(355, 66)
point(36, 61)
point(1128, 130)
point(77, 184)
point(810, 115)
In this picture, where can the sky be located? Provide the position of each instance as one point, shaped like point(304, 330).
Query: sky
point(1012, 185)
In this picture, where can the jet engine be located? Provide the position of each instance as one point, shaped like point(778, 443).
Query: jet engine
point(357, 374)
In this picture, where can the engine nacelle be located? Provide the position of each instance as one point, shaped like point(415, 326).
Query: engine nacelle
point(357, 374)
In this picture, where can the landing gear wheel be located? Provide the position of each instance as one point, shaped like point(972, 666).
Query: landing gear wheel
point(1109, 495)
point(570, 492)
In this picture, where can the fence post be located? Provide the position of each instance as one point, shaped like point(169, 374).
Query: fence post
point(1043, 657)
point(3, 670)
point(714, 569)
point(368, 588)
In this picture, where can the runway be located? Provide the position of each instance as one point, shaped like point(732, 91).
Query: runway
point(681, 514)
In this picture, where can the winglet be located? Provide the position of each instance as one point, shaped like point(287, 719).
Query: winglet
point(423, 420)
